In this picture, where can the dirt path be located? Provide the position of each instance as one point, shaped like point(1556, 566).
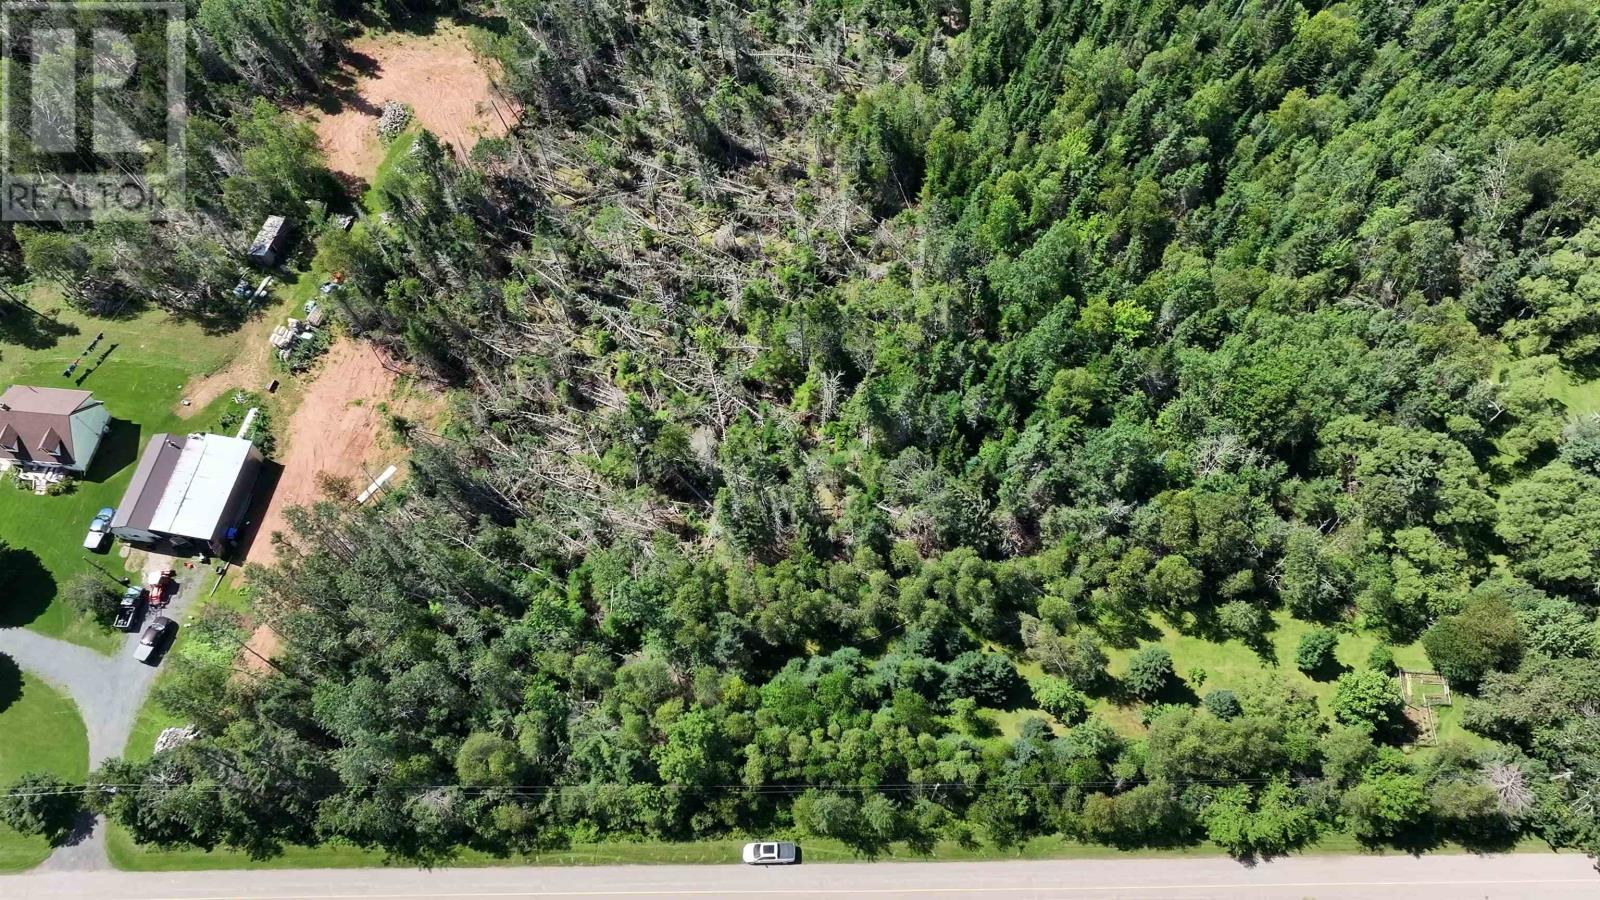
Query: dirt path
point(437, 74)
point(250, 370)
point(337, 429)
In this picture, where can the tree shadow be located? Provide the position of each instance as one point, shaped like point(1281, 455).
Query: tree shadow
point(1018, 696)
point(10, 682)
point(352, 185)
point(1414, 841)
point(1206, 625)
point(26, 587)
point(226, 316)
point(1328, 670)
point(341, 88)
point(31, 329)
point(1127, 633)
point(79, 830)
point(118, 450)
point(1177, 692)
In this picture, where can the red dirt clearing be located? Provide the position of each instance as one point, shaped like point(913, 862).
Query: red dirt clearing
point(263, 645)
point(334, 430)
point(445, 84)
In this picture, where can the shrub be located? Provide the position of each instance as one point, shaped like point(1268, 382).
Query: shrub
point(988, 678)
point(1580, 444)
point(261, 431)
point(302, 353)
point(1381, 659)
point(1082, 661)
point(1222, 704)
point(1367, 698)
point(1482, 637)
point(1149, 671)
point(970, 720)
point(1243, 620)
point(38, 803)
point(1389, 801)
point(91, 595)
point(1060, 699)
point(1316, 650)
point(486, 758)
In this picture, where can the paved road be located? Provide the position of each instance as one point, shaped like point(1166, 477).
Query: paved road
point(1541, 875)
point(108, 691)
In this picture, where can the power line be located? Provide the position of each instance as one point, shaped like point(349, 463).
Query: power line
point(539, 790)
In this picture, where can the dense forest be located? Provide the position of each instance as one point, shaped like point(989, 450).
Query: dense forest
point(826, 373)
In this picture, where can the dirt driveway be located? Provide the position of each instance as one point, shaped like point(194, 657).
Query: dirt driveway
point(337, 430)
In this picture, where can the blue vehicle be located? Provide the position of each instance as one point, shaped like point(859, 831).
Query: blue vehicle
point(99, 530)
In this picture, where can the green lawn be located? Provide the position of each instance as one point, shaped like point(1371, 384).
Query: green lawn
point(1231, 665)
point(1579, 397)
point(149, 358)
point(153, 719)
point(129, 856)
point(42, 733)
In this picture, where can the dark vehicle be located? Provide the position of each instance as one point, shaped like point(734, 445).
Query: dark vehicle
point(772, 853)
point(128, 609)
point(156, 637)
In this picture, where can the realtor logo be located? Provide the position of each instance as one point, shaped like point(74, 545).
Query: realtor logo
point(93, 111)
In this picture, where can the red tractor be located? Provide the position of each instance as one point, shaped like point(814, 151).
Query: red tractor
point(158, 585)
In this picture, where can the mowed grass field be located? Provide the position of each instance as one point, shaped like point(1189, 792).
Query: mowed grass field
point(40, 731)
point(138, 370)
point(129, 856)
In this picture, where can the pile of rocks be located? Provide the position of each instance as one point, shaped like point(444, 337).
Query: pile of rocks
point(396, 117)
point(171, 738)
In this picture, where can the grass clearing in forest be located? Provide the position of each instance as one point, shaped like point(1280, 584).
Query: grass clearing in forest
point(447, 86)
point(1230, 665)
point(42, 732)
point(1579, 397)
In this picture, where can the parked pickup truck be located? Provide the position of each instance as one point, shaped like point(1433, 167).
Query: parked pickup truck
point(99, 530)
point(128, 609)
point(772, 853)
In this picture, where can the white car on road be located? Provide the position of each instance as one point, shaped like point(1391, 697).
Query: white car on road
point(772, 853)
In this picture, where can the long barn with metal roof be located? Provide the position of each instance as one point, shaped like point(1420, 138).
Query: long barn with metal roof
point(188, 492)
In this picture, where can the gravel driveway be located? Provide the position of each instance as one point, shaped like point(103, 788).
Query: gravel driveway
point(109, 690)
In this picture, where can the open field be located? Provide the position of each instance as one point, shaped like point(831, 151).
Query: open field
point(41, 733)
point(1231, 665)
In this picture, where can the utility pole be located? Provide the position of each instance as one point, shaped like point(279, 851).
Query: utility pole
point(124, 581)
